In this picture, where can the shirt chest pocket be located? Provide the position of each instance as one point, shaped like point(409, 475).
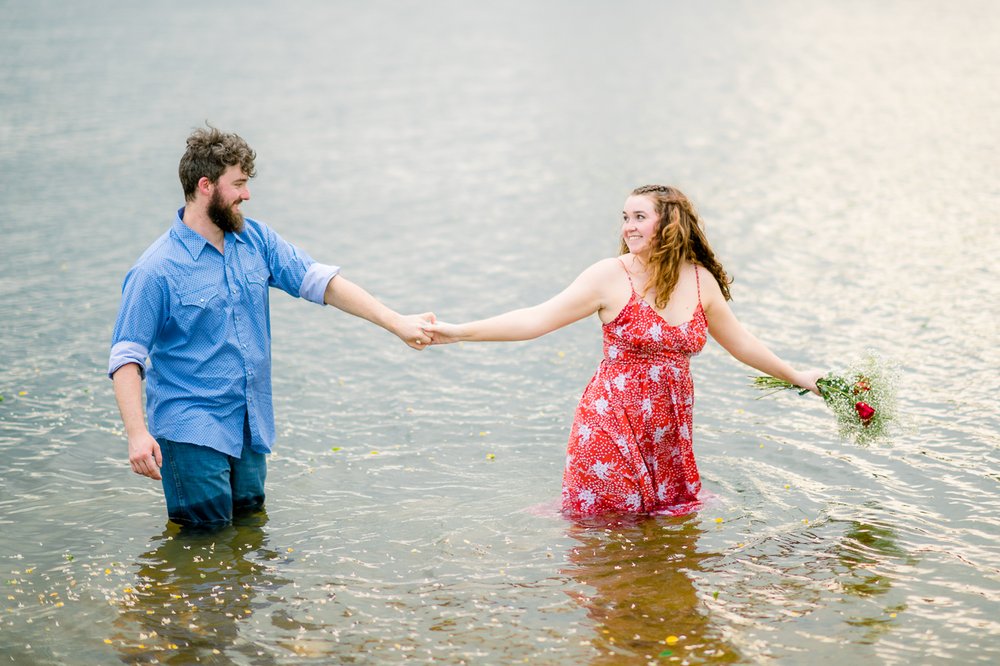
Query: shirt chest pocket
point(258, 277)
point(257, 282)
point(198, 308)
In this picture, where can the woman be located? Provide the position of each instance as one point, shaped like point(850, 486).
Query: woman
point(630, 445)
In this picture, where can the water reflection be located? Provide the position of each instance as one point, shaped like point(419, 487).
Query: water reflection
point(644, 602)
point(863, 548)
point(866, 551)
point(848, 571)
point(194, 592)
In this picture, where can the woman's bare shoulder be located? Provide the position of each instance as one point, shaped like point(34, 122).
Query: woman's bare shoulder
point(711, 293)
point(603, 269)
point(612, 263)
point(611, 282)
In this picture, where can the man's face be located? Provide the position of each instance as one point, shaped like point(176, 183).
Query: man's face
point(227, 195)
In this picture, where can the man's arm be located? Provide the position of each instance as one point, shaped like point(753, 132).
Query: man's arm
point(143, 451)
point(145, 302)
point(344, 295)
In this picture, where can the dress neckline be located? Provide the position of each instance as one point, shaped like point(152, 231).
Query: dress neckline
point(635, 298)
point(642, 301)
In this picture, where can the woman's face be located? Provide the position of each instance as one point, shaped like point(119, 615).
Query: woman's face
point(638, 224)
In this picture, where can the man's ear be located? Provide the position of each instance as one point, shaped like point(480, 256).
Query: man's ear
point(205, 186)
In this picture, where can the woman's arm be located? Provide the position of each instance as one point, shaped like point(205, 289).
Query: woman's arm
point(744, 346)
point(583, 297)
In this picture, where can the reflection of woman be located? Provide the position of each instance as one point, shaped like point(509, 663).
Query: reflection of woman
point(630, 445)
point(643, 593)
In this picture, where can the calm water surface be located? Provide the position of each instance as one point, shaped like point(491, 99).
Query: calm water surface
point(468, 158)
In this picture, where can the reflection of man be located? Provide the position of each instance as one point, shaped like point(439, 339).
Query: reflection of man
point(194, 592)
point(196, 304)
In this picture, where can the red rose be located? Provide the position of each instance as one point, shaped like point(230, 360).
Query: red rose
point(861, 386)
point(865, 412)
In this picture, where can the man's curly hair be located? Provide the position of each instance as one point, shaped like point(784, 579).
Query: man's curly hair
point(209, 152)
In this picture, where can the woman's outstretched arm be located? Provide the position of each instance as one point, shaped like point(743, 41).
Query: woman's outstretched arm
point(744, 346)
point(583, 297)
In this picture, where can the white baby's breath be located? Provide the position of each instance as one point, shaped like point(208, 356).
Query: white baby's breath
point(862, 397)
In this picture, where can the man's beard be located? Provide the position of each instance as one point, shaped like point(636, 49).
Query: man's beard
point(223, 215)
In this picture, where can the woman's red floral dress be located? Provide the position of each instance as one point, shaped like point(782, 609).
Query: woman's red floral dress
point(630, 445)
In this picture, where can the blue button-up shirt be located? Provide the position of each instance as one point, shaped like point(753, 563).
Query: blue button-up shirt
point(202, 320)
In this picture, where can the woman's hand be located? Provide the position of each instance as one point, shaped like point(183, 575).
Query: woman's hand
point(807, 379)
point(443, 333)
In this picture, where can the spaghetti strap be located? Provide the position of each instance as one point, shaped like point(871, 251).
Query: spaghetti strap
point(629, 276)
point(697, 280)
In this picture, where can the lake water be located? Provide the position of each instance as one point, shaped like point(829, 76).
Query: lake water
point(468, 158)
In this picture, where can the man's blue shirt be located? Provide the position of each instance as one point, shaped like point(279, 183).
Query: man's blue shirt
point(202, 320)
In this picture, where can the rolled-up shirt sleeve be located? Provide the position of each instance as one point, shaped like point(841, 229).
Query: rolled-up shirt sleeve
point(140, 317)
point(294, 271)
point(315, 281)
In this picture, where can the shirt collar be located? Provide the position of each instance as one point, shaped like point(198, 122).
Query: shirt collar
point(192, 240)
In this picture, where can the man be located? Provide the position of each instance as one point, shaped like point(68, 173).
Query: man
point(196, 304)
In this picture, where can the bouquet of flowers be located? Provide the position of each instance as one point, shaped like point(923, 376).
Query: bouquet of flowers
point(863, 397)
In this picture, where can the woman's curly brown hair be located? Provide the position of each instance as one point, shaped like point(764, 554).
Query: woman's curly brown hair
point(679, 236)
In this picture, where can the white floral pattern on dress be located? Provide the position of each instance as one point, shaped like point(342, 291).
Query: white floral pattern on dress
point(600, 470)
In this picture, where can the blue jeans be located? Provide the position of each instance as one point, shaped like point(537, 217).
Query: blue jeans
point(206, 488)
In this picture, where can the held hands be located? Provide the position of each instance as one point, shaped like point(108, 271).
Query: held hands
point(414, 330)
point(144, 455)
point(444, 333)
